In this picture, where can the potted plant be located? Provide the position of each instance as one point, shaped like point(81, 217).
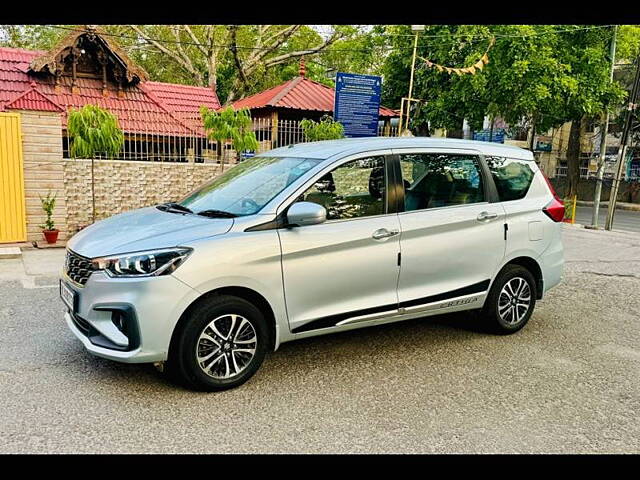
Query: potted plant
point(49, 229)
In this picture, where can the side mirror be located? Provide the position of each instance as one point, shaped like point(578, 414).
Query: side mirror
point(306, 213)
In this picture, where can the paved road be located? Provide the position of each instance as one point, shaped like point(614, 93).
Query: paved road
point(568, 382)
point(626, 220)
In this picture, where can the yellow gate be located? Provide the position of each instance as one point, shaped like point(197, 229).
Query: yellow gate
point(12, 203)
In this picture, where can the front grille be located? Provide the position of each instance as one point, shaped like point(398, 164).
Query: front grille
point(77, 267)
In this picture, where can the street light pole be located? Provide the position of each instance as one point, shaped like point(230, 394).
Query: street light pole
point(622, 150)
point(603, 140)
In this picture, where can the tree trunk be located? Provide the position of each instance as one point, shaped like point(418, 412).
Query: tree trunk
point(93, 194)
point(573, 158)
point(457, 132)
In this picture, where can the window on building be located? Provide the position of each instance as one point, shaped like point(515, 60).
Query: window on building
point(590, 125)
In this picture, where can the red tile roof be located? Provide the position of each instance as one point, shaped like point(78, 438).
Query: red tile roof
point(299, 93)
point(149, 107)
point(32, 99)
point(184, 100)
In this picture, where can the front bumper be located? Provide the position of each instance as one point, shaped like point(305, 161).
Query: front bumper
point(150, 307)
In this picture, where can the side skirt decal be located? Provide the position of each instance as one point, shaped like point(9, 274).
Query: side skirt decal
point(475, 288)
point(333, 320)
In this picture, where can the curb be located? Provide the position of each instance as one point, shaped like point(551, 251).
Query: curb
point(10, 252)
point(619, 205)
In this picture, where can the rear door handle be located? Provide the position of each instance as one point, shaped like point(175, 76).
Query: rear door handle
point(384, 233)
point(487, 216)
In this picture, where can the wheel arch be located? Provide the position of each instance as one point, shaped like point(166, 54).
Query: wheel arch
point(533, 266)
point(245, 293)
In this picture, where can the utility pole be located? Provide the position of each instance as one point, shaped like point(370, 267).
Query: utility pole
point(533, 133)
point(416, 29)
point(603, 140)
point(622, 150)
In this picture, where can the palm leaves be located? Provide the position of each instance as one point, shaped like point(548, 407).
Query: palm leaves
point(93, 130)
point(230, 124)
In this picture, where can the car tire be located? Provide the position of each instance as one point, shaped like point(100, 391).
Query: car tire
point(511, 300)
point(221, 345)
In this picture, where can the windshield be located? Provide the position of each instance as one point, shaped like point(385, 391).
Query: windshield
point(249, 186)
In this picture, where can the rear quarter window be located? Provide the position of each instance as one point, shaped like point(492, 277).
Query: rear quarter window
point(512, 177)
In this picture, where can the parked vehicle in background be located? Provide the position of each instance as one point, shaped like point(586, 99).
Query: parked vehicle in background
point(312, 239)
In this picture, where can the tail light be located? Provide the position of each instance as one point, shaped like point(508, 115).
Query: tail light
point(555, 208)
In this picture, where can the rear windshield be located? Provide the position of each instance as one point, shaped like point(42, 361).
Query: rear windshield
point(512, 177)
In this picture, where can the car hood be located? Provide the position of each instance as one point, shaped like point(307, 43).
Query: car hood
point(144, 229)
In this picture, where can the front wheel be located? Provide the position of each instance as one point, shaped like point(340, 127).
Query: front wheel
point(511, 300)
point(222, 345)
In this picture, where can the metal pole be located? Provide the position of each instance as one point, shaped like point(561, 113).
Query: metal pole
point(603, 141)
point(622, 150)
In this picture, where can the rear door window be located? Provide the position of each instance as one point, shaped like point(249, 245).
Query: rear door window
point(433, 180)
point(512, 177)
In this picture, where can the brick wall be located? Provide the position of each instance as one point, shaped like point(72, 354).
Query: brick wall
point(122, 185)
point(43, 169)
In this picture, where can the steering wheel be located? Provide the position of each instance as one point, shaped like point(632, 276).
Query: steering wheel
point(248, 202)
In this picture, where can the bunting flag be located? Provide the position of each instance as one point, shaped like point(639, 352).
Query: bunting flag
point(478, 66)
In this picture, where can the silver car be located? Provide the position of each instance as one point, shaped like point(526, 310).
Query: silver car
point(311, 239)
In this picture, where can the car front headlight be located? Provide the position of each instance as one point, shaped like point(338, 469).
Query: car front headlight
point(151, 263)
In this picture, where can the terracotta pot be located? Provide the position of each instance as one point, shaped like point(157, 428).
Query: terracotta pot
point(51, 235)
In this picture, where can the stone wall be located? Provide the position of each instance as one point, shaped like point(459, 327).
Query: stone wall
point(119, 185)
point(122, 185)
point(43, 170)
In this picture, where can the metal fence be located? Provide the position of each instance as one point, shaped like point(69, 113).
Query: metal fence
point(289, 132)
point(154, 147)
point(633, 174)
point(157, 147)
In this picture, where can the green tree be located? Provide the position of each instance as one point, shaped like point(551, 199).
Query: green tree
point(92, 131)
point(325, 129)
point(542, 75)
point(229, 124)
point(243, 53)
point(31, 37)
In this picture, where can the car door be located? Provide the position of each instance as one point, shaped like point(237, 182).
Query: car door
point(452, 236)
point(347, 266)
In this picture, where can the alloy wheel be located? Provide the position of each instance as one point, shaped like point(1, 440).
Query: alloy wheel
point(514, 301)
point(226, 346)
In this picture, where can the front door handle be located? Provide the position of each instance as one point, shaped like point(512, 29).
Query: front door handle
point(384, 233)
point(487, 216)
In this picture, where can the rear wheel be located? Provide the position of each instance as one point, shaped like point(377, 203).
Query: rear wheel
point(511, 300)
point(222, 345)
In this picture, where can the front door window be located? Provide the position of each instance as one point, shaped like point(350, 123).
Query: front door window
point(354, 189)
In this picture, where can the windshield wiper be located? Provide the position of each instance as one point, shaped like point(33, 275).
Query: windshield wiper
point(216, 214)
point(173, 206)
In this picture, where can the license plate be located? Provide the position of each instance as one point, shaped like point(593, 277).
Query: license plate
point(68, 296)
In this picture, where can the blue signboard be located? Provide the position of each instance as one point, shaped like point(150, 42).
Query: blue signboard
point(486, 136)
point(357, 104)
